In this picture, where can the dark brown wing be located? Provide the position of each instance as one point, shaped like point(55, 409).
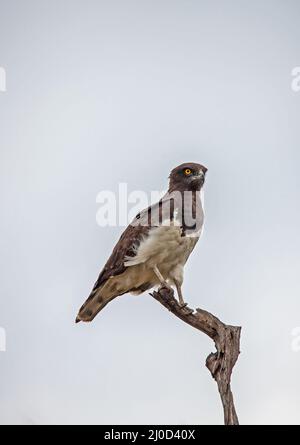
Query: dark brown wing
point(130, 240)
point(125, 247)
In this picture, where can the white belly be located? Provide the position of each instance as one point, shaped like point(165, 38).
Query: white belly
point(166, 248)
point(163, 247)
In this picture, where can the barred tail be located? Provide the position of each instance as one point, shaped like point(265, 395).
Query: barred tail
point(93, 305)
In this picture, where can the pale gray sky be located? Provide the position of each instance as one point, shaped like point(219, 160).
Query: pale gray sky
point(102, 92)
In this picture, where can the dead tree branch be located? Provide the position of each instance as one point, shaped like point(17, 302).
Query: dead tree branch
point(227, 342)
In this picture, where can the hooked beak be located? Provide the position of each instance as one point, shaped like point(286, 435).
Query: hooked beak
point(198, 180)
point(201, 175)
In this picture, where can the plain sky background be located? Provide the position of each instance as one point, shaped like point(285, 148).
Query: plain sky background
point(103, 92)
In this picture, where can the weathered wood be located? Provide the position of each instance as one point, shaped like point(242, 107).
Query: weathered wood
point(227, 342)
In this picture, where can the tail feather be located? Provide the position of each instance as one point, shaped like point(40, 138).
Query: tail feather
point(93, 305)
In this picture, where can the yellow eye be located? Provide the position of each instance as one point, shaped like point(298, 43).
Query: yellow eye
point(187, 171)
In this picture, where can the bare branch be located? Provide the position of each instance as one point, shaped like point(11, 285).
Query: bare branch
point(227, 342)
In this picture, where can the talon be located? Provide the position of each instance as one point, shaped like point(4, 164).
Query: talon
point(184, 305)
point(190, 311)
point(165, 286)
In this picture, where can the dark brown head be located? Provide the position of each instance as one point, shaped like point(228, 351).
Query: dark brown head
point(188, 176)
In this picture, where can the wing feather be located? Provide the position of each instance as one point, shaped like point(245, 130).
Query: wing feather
point(130, 240)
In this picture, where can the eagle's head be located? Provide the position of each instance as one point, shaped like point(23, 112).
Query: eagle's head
point(188, 176)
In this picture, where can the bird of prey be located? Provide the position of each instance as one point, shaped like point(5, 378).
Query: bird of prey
point(154, 248)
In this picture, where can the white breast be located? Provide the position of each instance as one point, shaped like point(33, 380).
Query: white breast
point(165, 247)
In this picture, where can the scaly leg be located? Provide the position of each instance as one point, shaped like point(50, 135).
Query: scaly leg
point(179, 293)
point(180, 297)
point(162, 281)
